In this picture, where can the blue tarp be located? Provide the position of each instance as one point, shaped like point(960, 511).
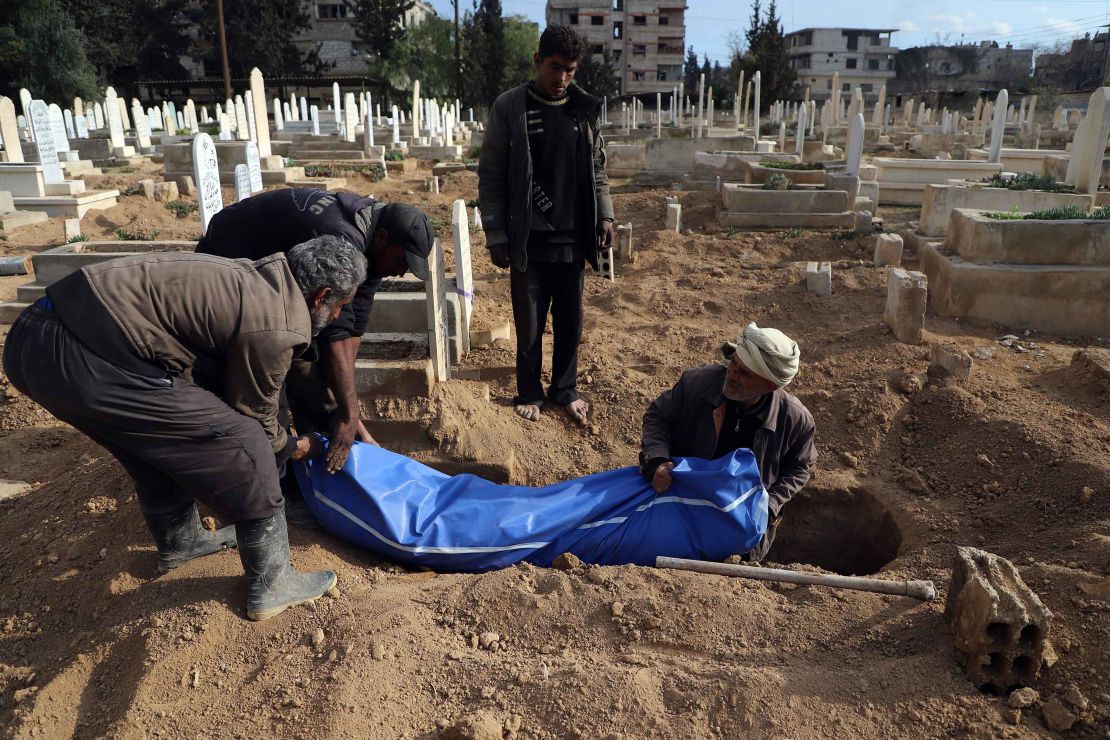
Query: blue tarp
point(413, 514)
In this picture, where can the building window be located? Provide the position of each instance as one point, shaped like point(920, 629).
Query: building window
point(331, 11)
point(853, 40)
point(867, 87)
point(846, 87)
point(596, 20)
point(618, 4)
point(617, 55)
point(618, 29)
point(664, 20)
point(874, 63)
point(572, 18)
point(638, 76)
point(661, 75)
point(639, 50)
point(850, 63)
point(639, 20)
point(828, 84)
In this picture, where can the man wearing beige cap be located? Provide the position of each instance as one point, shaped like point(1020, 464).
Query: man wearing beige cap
point(716, 409)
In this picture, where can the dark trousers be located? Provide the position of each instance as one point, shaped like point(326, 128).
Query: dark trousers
point(178, 441)
point(543, 287)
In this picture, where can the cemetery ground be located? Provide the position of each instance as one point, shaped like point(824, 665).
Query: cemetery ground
point(1016, 460)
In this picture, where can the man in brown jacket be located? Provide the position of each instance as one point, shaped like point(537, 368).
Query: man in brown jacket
point(715, 410)
point(173, 362)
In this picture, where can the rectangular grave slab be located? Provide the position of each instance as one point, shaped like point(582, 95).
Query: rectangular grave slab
point(976, 238)
point(941, 199)
point(741, 199)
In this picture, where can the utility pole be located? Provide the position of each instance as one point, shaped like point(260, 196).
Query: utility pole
point(223, 48)
point(458, 54)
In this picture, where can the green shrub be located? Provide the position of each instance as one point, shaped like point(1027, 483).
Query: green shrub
point(794, 233)
point(1067, 213)
point(394, 155)
point(338, 169)
point(181, 208)
point(778, 181)
point(797, 166)
point(1028, 181)
point(136, 236)
point(78, 238)
point(472, 203)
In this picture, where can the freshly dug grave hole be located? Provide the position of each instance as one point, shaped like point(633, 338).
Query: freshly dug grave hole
point(851, 533)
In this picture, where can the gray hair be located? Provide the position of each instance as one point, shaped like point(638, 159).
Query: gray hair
point(327, 262)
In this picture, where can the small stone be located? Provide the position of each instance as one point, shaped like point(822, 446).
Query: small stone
point(377, 651)
point(488, 639)
point(188, 186)
point(1011, 715)
point(910, 384)
point(1086, 495)
point(617, 608)
point(317, 638)
point(333, 592)
point(1023, 697)
point(1075, 697)
point(1056, 716)
point(333, 655)
point(849, 459)
point(487, 692)
point(596, 575)
point(567, 561)
point(477, 726)
point(23, 694)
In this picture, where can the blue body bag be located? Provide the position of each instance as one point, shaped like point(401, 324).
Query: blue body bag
point(407, 512)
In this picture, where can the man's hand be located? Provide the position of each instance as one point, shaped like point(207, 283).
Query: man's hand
point(499, 255)
point(340, 441)
point(661, 481)
point(308, 446)
point(604, 234)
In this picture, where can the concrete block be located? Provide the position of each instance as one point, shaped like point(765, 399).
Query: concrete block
point(166, 191)
point(888, 250)
point(674, 217)
point(499, 330)
point(147, 188)
point(999, 626)
point(819, 278)
point(906, 298)
point(186, 186)
point(73, 228)
point(951, 361)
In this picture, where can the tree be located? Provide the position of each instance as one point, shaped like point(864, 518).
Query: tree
point(690, 72)
point(483, 53)
point(42, 50)
point(766, 52)
point(425, 53)
point(522, 39)
point(121, 59)
point(259, 34)
point(597, 76)
point(378, 23)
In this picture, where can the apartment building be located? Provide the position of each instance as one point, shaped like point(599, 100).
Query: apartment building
point(962, 68)
point(332, 34)
point(645, 38)
point(862, 56)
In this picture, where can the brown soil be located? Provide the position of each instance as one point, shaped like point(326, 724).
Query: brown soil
point(1017, 461)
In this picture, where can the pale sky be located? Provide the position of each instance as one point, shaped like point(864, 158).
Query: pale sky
point(1024, 22)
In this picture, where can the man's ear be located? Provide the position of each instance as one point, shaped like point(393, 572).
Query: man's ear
point(380, 240)
point(318, 298)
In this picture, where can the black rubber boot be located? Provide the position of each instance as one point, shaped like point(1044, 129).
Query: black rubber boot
point(180, 537)
point(272, 584)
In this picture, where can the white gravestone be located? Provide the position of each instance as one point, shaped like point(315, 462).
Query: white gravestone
point(1089, 149)
point(464, 275)
point(82, 126)
point(799, 146)
point(252, 126)
point(58, 128)
point(242, 130)
point(396, 127)
point(254, 168)
point(998, 126)
point(337, 103)
point(350, 118)
point(206, 170)
point(854, 151)
point(304, 109)
point(115, 123)
point(368, 127)
point(98, 115)
point(242, 183)
point(279, 119)
point(142, 124)
point(314, 113)
point(225, 128)
point(293, 111)
point(438, 333)
point(25, 104)
point(123, 117)
point(44, 143)
point(67, 118)
point(415, 111)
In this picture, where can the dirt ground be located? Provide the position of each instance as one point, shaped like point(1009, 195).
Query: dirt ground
point(1016, 461)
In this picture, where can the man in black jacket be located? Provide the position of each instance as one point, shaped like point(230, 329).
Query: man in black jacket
point(395, 238)
point(546, 211)
point(714, 410)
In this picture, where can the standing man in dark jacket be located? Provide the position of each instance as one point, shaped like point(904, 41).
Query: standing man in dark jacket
point(394, 237)
point(715, 410)
point(546, 211)
point(174, 363)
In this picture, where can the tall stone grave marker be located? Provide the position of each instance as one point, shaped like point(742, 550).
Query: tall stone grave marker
point(25, 104)
point(1087, 150)
point(415, 111)
point(98, 115)
point(304, 109)
point(142, 124)
point(225, 128)
point(998, 126)
point(206, 170)
point(337, 103)
point(464, 275)
point(261, 120)
point(58, 128)
point(9, 131)
point(396, 127)
point(292, 115)
point(82, 126)
point(854, 151)
point(314, 114)
point(242, 129)
point(350, 118)
point(115, 123)
point(67, 119)
point(803, 115)
point(439, 340)
point(44, 143)
point(279, 121)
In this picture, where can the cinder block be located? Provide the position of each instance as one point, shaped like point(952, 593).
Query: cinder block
point(819, 278)
point(906, 297)
point(888, 250)
point(166, 191)
point(498, 330)
point(674, 217)
point(953, 361)
point(999, 626)
point(73, 228)
point(147, 187)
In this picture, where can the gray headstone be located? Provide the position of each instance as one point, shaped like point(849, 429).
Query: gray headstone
point(254, 168)
point(44, 143)
point(242, 183)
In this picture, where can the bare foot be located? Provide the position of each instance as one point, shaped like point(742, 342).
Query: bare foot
point(529, 411)
point(577, 410)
